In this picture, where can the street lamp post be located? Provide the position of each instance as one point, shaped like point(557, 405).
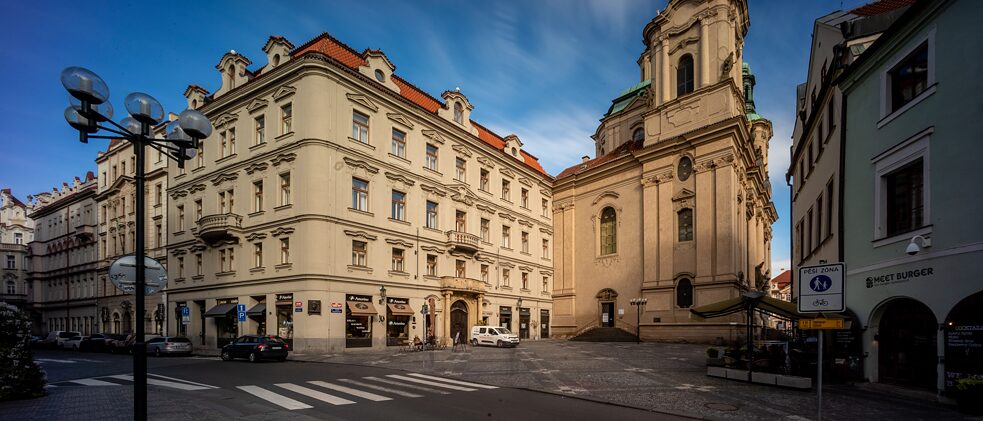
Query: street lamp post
point(89, 111)
point(638, 303)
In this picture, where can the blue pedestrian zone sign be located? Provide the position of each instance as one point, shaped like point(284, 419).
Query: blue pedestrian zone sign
point(820, 288)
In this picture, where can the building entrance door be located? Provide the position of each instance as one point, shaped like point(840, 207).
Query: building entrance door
point(459, 321)
point(607, 314)
point(907, 352)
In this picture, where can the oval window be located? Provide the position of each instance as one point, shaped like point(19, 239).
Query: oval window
point(381, 77)
point(685, 168)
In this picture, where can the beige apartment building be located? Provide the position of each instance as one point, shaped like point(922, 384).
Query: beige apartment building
point(63, 258)
point(676, 206)
point(16, 231)
point(345, 208)
point(116, 201)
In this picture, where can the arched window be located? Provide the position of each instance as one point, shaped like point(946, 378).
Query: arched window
point(116, 323)
point(232, 77)
point(684, 76)
point(638, 134)
point(686, 225)
point(609, 231)
point(458, 113)
point(684, 293)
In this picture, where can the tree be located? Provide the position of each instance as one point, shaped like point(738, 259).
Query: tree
point(20, 376)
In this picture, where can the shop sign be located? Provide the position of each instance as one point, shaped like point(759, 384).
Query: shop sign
point(821, 323)
point(392, 300)
point(284, 298)
point(898, 277)
point(313, 306)
point(336, 308)
point(505, 311)
point(358, 298)
point(523, 311)
point(621, 312)
point(963, 353)
point(398, 322)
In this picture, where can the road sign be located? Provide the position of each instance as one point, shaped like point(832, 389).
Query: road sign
point(820, 288)
point(122, 273)
point(185, 311)
point(241, 308)
point(814, 324)
point(242, 316)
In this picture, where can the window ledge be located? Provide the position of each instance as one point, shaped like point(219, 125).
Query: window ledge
point(257, 269)
point(223, 274)
point(506, 200)
point(179, 176)
point(197, 277)
point(525, 290)
point(505, 287)
point(257, 213)
point(282, 207)
point(367, 213)
point(178, 232)
point(257, 146)
point(399, 158)
point(399, 221)
point(361, 143)
point(544, 259)
point(431, 277)
point(506, 248)
point(202, 167)
point(433, 230)
point(399, 273)
point(914, 101)
point(366, 269)
point(225, 158)
point(547, 293)
point(181, 279)
point(905, 236)
point(283, 136)
point(526, 253)
point(438, 173)
point(487, 243)
point(284, 266)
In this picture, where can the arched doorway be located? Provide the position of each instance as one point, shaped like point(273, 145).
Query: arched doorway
point(907, 344)
point(127, 322)
point(459, 321)
point(964, 340)
point(606, 299)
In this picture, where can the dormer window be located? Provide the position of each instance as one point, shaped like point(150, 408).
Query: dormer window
point(276, 60)
point(458, 113)
point(381, 77)
point(515, 152)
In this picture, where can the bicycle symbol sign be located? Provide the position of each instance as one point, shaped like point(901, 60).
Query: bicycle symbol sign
point(820, 288)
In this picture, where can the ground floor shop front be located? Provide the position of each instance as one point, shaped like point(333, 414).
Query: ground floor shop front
point(325, 316)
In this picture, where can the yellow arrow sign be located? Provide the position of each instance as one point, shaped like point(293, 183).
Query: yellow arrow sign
point(821, 324)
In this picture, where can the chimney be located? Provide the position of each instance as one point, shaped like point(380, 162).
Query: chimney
point(584, 159)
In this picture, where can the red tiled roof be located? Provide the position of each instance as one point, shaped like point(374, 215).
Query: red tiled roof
point(624, 149)
point(783, 279)
point(882, 6)
point(332, 47)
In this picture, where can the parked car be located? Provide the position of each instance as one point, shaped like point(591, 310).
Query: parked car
point(169, 345)
point(255, 348)
point(493, 335)
point(57, 337)
point(110, 340)
point(94, 343)
point(125, 346)
point(73, 342)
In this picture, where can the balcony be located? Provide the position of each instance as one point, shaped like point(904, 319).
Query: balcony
point(462, 284)
point(215, 228)
point(462, 241)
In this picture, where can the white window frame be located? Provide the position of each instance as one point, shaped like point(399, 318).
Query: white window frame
point(889, 161)
point(886, 115)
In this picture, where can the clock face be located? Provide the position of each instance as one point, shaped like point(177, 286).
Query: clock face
point(685, 168)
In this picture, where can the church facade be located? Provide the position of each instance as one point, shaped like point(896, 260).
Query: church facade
point(676, 206)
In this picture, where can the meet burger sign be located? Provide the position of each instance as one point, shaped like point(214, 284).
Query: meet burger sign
point(898, 277)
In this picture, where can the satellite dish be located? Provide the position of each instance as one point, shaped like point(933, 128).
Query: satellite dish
point(122, 273)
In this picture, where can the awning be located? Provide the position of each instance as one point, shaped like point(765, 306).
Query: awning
point(361, 308)
point(221, 310)
point(401, 309)
point(257, 310)
point(762, 303)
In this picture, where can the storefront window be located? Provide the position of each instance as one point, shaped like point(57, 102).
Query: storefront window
point(285, 318)
point(358, 321)
point(505, 317)
point(398, 317)
point(523, 323)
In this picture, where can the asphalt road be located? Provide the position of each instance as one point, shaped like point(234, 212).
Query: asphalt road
point(325, 391)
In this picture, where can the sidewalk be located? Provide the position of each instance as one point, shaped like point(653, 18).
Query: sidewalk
point(669, 378)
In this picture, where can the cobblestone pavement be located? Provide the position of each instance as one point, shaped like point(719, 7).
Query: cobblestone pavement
point(669, 378)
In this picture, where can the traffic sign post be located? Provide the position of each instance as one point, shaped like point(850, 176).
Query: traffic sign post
point(820, 289)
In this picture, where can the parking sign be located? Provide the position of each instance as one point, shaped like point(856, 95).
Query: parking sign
point(820, 288)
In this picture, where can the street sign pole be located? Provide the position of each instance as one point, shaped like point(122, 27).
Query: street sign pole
point(819, 378)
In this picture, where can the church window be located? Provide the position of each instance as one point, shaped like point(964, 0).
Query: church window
point(686, 225)
point(638, 134)
point(685, 168)
point(609, 231)
point(684, 76)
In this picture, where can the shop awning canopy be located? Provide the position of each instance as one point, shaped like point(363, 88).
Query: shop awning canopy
point(756, 301)
point(401, 309)
point(257, 310)
point(221, 310)
point(361, 308)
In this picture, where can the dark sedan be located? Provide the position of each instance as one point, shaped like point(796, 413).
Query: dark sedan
point(255, 348)
point(95, 343)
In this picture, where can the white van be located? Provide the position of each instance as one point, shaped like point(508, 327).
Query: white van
point(493, 335)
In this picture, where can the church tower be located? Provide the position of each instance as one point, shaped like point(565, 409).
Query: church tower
point(676, 205)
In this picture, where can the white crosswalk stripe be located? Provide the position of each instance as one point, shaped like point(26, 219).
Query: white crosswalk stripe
point(407, 385)
point(354, 392)
point(430, 383)
point(94, 382)
point(480, 386)
point(274, 398)
point(165, 383)
point(52, 360)
point(182, 380)
point(381, 389)
point(321, 396)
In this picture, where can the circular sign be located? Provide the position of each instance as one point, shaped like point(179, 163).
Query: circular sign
point(820, 283)
point(361, 306)
point(123, 271)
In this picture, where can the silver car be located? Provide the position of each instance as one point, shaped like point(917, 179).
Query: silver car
point(169, 345)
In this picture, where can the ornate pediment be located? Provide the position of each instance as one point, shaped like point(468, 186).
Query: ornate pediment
point(255, 236)
point(178, 252)
point(256, 166)
point(525, 181)
point(546, 231)
point(256, 105)
point(461, 149)
point(283, 157)
point(178, 193)
point(355, 163)
point(283, 92)
point(486, 162)
point(485, 208)
point(224, 119)
point(196, 188)
point(360, 234)
point(398, 242)
point(506, 215)
point(683, 194)
point(545, 193)
point(363, 101)
point(462, 194)
point(432, 190)
point(432, 249)
point(545, 272)
point(399, 178)
point(507, 265)
point(482, 257)
point(281, 231)
point(433, 135)
point(606, 294)
point(685, 198)
point(197, 247)
point(525, 268)
point(457, 253)
point(506, 172)
point(401, 119)
point(221, 178)
point(525, 223)
point(607, 194)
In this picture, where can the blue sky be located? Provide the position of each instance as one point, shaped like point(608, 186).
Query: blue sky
point(545, 70)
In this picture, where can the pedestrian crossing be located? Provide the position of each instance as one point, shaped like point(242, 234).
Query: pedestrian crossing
point(46, 361)
point(292, 396)
point(127, 380)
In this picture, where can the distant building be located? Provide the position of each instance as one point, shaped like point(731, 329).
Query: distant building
point(780, 287)
point(16, 231)
point(913, 235)
point(336, 202)
point(63, 258)
point(676, 205)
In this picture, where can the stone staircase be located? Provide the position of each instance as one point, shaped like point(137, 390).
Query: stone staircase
point(605, 334)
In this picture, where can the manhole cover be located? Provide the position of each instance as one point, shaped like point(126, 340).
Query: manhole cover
point(721, 406)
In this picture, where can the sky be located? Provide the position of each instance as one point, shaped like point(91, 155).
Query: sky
point(545, 70)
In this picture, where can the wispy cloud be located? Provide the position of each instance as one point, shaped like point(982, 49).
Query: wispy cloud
point(557, 136)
